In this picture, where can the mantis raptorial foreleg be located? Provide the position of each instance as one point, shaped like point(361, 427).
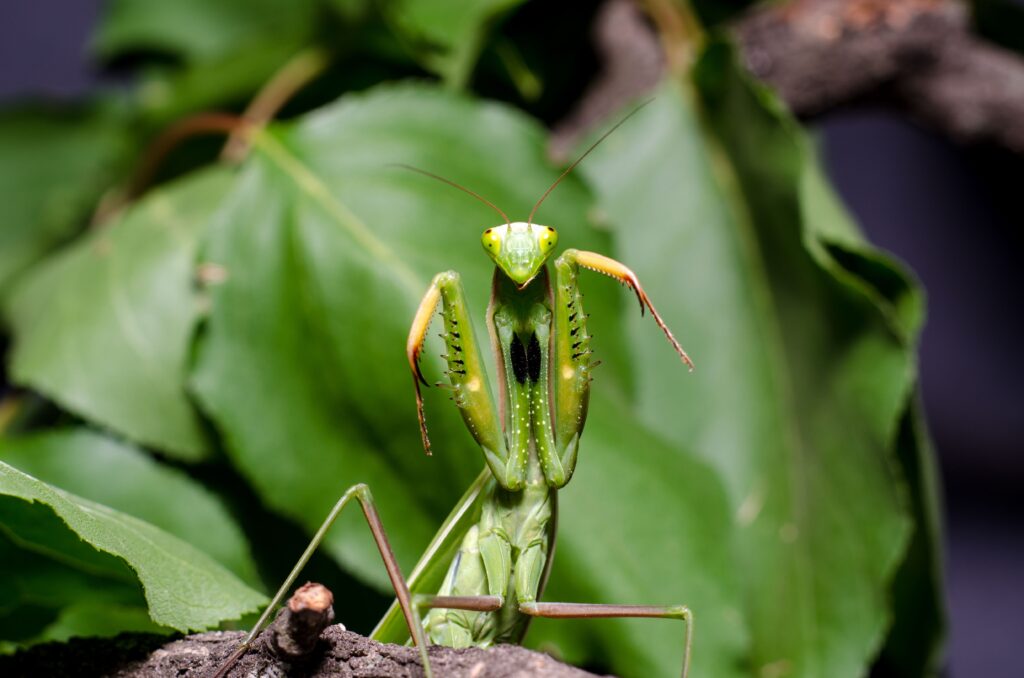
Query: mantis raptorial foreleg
point(571, 259)
point(360, 493)
point(471, 391)
point(596, 611)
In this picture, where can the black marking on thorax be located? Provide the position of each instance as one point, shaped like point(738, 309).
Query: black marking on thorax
point(533, 359)
point(525, 360)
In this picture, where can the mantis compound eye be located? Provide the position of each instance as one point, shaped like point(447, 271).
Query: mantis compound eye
point(491, 240)
point(547, 238)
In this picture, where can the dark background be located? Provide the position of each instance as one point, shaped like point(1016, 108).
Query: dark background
point(953, 214)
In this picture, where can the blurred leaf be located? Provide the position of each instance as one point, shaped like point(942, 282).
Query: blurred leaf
point(804, 366)
point(54, 166)
point(915, 643)
point(184, 588)
point(84, 463)
point(326, 252)
point(103, 327)
point(448, 35)
point(222, 51)
point(168, 93)
point(202, 30)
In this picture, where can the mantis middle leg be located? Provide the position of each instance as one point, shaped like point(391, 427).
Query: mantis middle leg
point(596, 611)
point(360, 493)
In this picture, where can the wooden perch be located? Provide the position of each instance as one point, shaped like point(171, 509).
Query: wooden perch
point(340, 653)
point(917, 56)
point(296, 644)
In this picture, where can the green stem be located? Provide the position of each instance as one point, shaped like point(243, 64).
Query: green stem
point(298, 72)
point(680, 31)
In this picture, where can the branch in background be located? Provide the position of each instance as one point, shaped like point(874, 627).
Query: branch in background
point(918, 55)
point(915, 55)
point(632, 63)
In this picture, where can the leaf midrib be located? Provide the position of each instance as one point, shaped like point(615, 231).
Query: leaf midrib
point(306, 180)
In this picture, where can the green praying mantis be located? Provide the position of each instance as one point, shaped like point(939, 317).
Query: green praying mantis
point(480, 580)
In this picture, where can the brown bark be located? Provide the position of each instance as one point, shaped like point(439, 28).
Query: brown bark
point(917, 56)
point(338, 653)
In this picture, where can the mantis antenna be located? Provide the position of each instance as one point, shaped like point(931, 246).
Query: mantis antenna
point(455, 185)
point(580, 159)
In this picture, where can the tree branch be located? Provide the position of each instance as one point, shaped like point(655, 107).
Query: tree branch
point(338, 653)
point(917, 56)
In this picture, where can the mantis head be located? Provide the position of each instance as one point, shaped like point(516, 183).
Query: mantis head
point(520, 249)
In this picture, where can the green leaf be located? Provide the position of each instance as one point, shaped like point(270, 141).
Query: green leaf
point(83, 463)
point(92, 619)
point(103, 327)
point(201, 30)
point(184, 588)
point(168, 93)
point(54, 166)
point(36, 589)
point(803, 339)
point(915, 643)
point(448, 34)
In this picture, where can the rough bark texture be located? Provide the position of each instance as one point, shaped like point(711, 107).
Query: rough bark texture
point(917, 56)
point(339, 653)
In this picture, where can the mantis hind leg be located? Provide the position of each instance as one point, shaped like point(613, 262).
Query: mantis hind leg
point(595, 611)
point(360, 493)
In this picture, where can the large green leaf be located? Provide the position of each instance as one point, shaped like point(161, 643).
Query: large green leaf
point(84, 463)
point(803, 339)
point(184, 588)
point(103, 327)
point(53, 168)
point(326, 250)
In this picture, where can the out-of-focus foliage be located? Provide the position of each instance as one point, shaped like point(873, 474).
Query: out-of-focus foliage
point(247, 324)
point(54, 166)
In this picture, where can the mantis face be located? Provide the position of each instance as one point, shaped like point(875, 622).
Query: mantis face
point(520, 249)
